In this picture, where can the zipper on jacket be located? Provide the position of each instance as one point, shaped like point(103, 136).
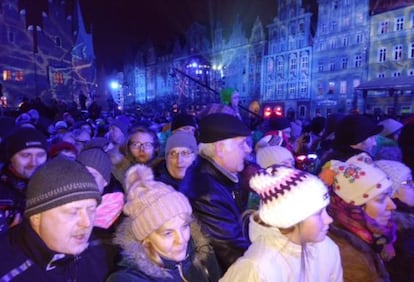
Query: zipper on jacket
point(180, 271)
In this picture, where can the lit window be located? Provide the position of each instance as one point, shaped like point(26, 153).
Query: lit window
point(19, 75)
point(7, 75)
point(58, 78)
point(331, 87)
point(342, 87)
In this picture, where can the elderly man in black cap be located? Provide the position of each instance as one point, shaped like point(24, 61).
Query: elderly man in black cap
point(24, 151)
point(53, 241)
point(212, 184)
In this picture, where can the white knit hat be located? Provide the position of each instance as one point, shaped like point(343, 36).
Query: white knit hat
point(397, 171)
point(288, 196)
point(151, 203)
point(273, 155)
point(358, 180)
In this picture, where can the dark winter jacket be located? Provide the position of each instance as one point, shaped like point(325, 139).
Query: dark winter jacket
point(25, 257)
point(218, 205)
point(200, 264)
point(12, 197)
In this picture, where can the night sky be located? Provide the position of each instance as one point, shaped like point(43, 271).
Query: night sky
point(123, 25)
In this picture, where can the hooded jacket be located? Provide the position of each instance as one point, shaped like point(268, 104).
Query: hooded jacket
point(199, 265)
point(272, 257)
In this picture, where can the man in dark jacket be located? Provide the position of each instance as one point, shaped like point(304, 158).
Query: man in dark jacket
point(53, 242)
point(24, 151)
point(212, 184)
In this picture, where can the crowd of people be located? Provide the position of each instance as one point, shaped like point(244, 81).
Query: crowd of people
point(206, 197)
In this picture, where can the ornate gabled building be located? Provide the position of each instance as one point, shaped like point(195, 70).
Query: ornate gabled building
point(45, 51)
point(340, 55)
point(287, 67)
point(389, 87)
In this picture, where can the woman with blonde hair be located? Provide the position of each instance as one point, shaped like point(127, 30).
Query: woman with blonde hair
point(156, 239)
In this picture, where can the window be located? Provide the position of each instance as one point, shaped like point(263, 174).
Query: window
point(346, 22)
point(7, 75)
point(358, 61)
point(381, 75)
point(410, 72)
point(346, 41)
point(334, 25)
point(345, 63)
point(397, 52)
point(320, 67)
point(382, 55)
point(342, 87)
point(58, 78)
point(324, 28)
point(383, 27)
point(293, 64)
point(412, 20)
point(292, 90)
point(331, 87)
point(332, 66)
point(359, 38)
point(279, 65)
point(303, 89)
point(399, 23)
point(396, 74)
point(305, 62)
point(320, 89)
point(411, 55)
point(19, 75)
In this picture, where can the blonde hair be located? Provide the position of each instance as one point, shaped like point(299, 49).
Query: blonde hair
point(149, 248)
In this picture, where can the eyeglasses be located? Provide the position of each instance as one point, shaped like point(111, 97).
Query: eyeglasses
point(141, 146)
point(184, 154)
point(408, 183)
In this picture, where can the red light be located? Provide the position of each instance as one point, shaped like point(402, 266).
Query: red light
point(278, 111)
point(267, 112)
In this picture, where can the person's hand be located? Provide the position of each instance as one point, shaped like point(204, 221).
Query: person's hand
point(388, 252)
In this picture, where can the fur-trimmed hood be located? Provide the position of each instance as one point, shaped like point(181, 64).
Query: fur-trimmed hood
point(135, 256)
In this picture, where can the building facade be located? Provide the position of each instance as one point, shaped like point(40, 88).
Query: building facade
point(45, 51)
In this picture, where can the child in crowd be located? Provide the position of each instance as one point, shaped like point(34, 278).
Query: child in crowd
point(288, 232)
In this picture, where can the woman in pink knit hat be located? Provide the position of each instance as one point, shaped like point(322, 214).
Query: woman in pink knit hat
point(158, 238)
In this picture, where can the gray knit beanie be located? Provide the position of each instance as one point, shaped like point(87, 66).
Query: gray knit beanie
point(181, 139)
point(97, 159)
point(58, 182)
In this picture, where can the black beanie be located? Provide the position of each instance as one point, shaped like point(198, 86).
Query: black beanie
point(182, 119)
point(216, 127)
point(97, 159)
point(23, 138)
point(58, 182)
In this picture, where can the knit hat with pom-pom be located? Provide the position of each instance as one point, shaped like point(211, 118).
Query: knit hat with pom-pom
point(151, 203)
point(287, 195)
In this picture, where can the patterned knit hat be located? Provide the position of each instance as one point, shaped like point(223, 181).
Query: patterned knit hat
point(151, 203)
point(288, 196)
point(58, 182)
point(274, 155)
point(358, 180)
point(397, 171)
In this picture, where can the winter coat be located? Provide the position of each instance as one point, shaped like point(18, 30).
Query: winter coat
point(272, 257)
point(400, 267)
point(217, 204)
point(12, 197)
point(25, 257)
point(359, 261)
point(199, 265)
